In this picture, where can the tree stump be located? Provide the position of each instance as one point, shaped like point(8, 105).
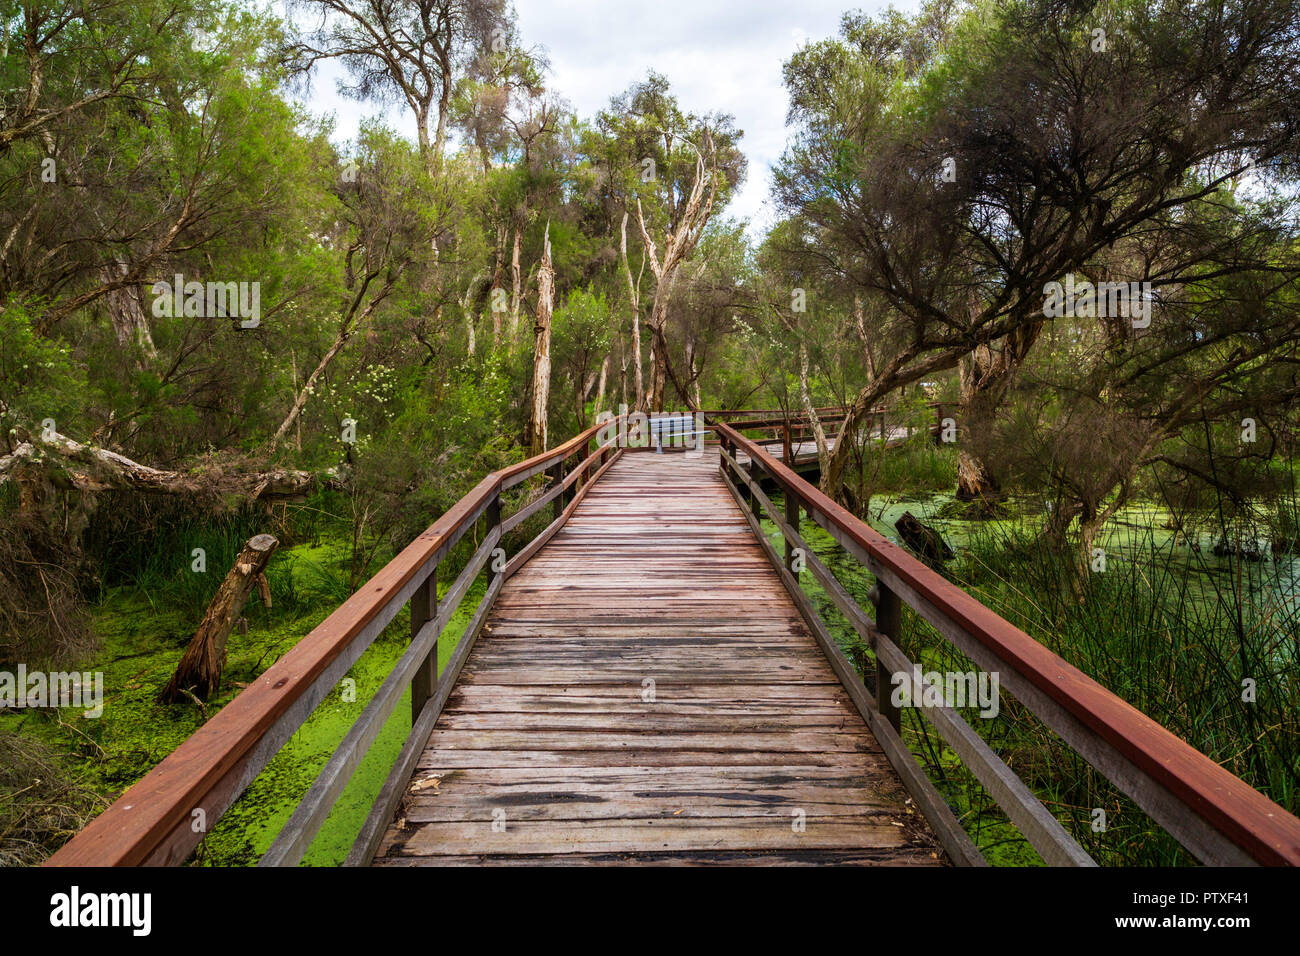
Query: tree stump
point(200, 667)
point(924, 540)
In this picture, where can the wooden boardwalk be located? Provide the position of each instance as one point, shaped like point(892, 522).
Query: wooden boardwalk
point(637, 685)
point(804, 453)
point(645, 691)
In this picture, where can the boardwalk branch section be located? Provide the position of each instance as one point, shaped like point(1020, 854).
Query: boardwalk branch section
point(647, 682)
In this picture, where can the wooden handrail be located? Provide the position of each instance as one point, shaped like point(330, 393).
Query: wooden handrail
point(1217, 816)
point(165, 815)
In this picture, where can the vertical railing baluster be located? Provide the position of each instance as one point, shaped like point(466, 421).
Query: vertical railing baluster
point(889, 622)
point(424, 608)
point(792, 519)
point(556, 473)
point(493, 515)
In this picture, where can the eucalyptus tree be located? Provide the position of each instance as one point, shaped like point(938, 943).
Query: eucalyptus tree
point(672, 171)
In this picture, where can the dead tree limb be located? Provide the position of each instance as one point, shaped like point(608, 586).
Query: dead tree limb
point(69, 464)
point(201, 664)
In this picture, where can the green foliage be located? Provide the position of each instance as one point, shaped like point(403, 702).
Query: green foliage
point(41, 377)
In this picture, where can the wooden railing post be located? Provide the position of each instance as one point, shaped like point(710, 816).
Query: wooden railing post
point(556, 474)
point(493, 520)
point(889, 622)
point(424, 608)
point(792, 519)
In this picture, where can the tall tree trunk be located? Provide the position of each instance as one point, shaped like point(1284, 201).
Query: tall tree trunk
point(860, 320)
point(694, 372)
point(516, 286)
point(127, 313)
point(986, 375)
point(466, 309)
point(805, 399)
point(444, 100)
point(542, 348)
point(978, 383)
point(498, 276)
point(600, 389)
point(658, 354)
point(622, 370)
point(634, 296)
point(201, 664)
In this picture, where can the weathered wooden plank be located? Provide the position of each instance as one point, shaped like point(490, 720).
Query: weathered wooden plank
point(884, 856)
point(681, 833)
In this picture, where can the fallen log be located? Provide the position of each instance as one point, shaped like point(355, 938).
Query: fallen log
point(67, 463)
point(200, 668)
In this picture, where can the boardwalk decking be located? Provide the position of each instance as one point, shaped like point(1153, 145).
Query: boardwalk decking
point(645, 691)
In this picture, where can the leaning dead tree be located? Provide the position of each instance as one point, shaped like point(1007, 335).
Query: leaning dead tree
point(199, 671)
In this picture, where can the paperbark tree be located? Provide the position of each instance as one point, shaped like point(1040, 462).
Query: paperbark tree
point(634, 300)
point(955, 203)
point(679, 240)
point(391, 218)
point(537, 422)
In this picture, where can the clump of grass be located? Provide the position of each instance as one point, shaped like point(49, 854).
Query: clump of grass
point(41, 802)
point(1179, 646)
point(42, 616)
point(917, 466)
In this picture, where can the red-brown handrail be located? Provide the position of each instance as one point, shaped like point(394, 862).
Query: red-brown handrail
point(1266, 832)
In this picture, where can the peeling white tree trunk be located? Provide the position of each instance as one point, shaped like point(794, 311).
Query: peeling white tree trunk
point(600, 389)
point(634, 295)
point(542, 348)
point(465, 303)
point(679, 241)
point(516, 288)
point(805, 399)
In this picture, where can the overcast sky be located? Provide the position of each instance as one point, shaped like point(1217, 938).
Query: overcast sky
point(719, 55)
